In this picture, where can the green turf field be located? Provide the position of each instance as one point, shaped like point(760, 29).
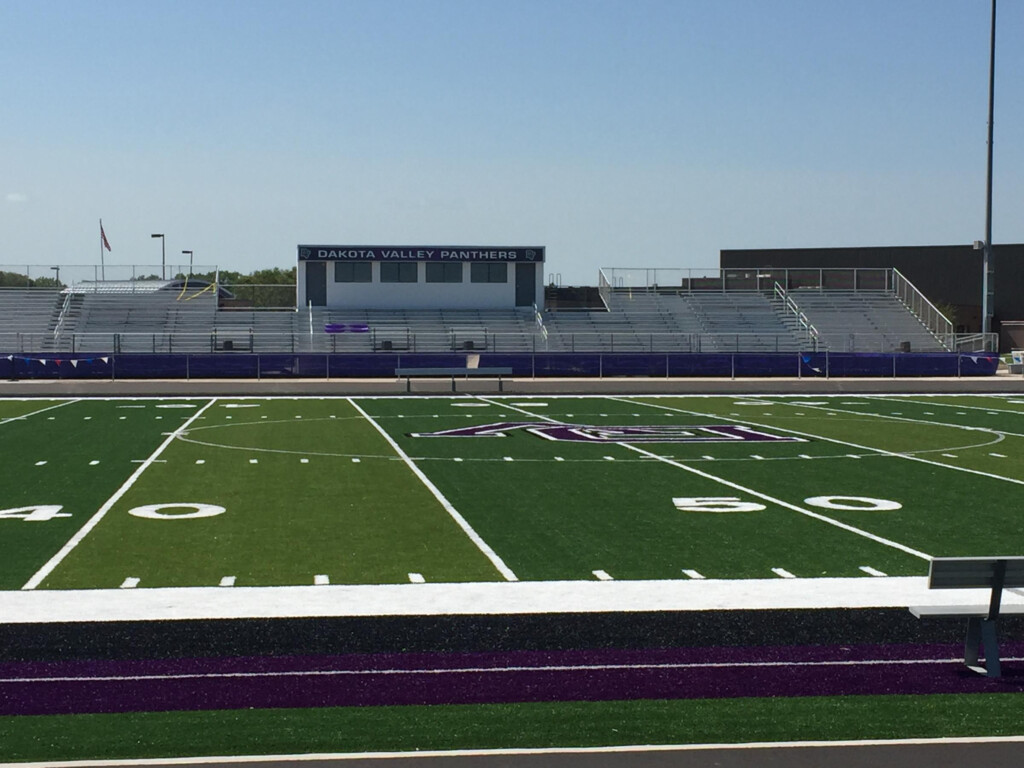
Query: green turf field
point(294, 491)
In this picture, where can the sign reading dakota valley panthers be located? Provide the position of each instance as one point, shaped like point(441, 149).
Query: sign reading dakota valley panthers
point(525, 254)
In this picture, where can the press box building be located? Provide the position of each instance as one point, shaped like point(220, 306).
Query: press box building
point(420, 277)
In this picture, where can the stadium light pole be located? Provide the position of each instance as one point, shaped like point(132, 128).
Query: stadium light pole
point(189, 262)
point(163, 256)
point(987, 270)
point(57, 270)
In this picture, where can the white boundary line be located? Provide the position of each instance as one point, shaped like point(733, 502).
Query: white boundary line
point(441, 671)
point(736, 486)
point(93, 521)
point(482, 545)
point(437, 753)
point(25, 416)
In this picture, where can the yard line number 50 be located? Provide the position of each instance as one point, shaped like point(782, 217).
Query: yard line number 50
point(721, 504)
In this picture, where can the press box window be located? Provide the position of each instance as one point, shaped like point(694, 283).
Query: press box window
point(353, 272)
point(398, 272)
point(482, 272)
point(444, 272)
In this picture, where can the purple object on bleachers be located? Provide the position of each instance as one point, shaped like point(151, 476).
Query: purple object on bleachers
point(346, 328)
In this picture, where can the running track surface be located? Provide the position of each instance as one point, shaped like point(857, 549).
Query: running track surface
point(472, 678)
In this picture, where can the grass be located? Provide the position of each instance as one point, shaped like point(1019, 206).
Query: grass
point(509, 726)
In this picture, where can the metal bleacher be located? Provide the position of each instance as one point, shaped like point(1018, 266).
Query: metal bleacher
point(864, 321)
point(706, 315)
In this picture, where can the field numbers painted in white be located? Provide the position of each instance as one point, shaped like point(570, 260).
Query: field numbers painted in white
point(854, 503)
point(716, 504)
point(735, 504)
point(38, 513)
point(157, 511)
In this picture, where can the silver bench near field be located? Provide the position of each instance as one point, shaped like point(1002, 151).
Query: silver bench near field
point(995, 573)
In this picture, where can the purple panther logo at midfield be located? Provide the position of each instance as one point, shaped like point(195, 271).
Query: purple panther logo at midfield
point(583, 433)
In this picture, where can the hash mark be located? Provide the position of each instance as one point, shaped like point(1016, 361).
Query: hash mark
point(559, 458)
point(200, 461)
point(417, 578)
point(303, 461)
point(998, 455)
point(254, 461)
point(321, 580)
point(130, 583)
point(609, 458)
point(872, 571)
point(949, 455)
point(356, 460)
point(602, 575)
point(40, 463)
point(783, 573)
point(693, 574)
point(93, 463)
point(227, 581)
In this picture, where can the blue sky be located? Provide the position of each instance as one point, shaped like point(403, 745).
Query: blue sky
point(619, 134)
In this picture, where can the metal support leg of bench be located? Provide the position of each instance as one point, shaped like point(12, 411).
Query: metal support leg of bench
point(981, 636)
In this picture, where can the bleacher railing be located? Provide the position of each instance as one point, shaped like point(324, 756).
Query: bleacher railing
point(403, 339)
point(793, 308)
point(689, 280)
point(924, 310)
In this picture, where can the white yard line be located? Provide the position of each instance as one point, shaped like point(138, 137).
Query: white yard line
point(811, 436)
point(440, 671)
point(93, 521)
point(475, 537)
point(744, 489)
point(36, 413)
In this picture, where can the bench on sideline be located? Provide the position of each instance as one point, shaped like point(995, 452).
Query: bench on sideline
point(995, 573)
point(454, 373)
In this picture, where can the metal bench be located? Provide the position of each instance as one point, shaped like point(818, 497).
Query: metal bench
point(454, 373)
point(995, 573)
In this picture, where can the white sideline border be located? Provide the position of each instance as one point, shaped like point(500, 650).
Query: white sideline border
point(476, 598)
point(214, 760)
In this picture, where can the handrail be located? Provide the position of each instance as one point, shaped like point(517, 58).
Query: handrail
point(63, 314)
point(794, 308)
point(929, 315)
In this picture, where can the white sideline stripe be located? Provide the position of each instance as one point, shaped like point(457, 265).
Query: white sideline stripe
point(783, 573)
point(93, 521)
point(872, 571)
point(586, 595)
point(131, 582)
point(482, 545)
point(213, 760)
point(693, 574)
point(744, 489)
point(395, 671)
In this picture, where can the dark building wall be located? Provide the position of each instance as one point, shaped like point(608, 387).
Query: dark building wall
point(946, 274)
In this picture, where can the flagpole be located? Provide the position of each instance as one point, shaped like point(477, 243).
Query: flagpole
point(103, 268)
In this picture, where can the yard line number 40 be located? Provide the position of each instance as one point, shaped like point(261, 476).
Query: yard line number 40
point(721, 504)
point(41, 513)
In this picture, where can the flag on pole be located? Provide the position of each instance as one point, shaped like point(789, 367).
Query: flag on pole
point(103, 237)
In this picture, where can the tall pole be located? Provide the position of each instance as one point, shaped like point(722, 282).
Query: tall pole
point(988, 272)
point(163, 256)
